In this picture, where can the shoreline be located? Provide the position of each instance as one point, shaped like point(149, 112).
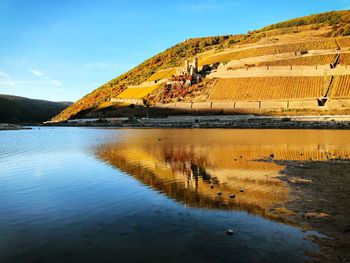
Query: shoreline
point(12, 127)
point(215, 124)
point(320, 194)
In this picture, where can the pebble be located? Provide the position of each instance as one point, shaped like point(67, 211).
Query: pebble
point(241, 190)
point(272, 155)
point(219, 193)
point(232, 196)
point(211, 186)
point(229, 232)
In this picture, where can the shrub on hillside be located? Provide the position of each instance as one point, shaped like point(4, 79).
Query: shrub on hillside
point(346, 31)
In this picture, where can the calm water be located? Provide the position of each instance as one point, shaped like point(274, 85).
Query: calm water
point(104, 195)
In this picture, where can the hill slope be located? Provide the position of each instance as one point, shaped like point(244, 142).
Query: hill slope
point(15, 109)
point(291, 36)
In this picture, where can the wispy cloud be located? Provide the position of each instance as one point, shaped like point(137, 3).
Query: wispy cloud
point(6, 79)
point(36, 72)
point(43, 77)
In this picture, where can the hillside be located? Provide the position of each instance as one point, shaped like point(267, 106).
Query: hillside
point(299, 50)
point(15, 109)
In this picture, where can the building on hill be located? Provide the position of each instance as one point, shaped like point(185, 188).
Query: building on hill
point(189, 69)
point(187, 75)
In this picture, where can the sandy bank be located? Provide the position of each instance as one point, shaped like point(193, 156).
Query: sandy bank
point(320, 201)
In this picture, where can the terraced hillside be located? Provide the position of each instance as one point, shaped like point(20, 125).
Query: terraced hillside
point(297, 59)
point(301, 61)
point(267, 88)
point(341, 88)
point(345, 59)
point(137, 93)
point(225, 56)
point(162, 74)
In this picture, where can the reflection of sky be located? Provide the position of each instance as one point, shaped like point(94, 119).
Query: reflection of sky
point(79, 202)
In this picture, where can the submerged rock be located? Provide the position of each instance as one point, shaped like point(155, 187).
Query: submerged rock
point(229, 232)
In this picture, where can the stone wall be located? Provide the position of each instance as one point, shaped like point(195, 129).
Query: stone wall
point(201, 105)
point(129, 101)
point(183, 105)
point(274, 105)
point(251, 105)
point(223, 105)
point(303, 104)
point(338, 103)
point(247, 105)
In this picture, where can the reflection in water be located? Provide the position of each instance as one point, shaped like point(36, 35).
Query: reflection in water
point(192, 166)
point(59, 203)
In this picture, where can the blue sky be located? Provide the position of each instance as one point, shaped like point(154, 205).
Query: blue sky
point(62, 49)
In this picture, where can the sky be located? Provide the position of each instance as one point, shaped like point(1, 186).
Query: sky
point(61, 50)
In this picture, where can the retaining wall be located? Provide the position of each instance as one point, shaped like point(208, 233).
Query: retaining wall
point(183, 105)
point(303, 104)
point(130, 101)
point(247, 105)
point(338, 103)
point(253, 105)
point(274, 105)
point(201, 105)
point(223, 105)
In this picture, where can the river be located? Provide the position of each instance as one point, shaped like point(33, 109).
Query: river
point(153, 195)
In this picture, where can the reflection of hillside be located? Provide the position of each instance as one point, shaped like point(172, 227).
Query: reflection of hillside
point(184, 164)
point(190, 183)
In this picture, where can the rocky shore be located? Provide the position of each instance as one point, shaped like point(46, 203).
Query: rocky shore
point(217, 123)
point(8, 127)
point(321, 194)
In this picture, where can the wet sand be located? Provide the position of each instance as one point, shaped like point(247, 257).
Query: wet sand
point(320, 201)
point(296, 177)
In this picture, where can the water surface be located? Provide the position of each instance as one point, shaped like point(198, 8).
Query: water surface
point(108, 195)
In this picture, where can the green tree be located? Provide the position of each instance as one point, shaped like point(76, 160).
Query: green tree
point(346, 31)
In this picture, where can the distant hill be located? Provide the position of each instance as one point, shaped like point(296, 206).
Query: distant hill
point(14, 109)
point(321, 37)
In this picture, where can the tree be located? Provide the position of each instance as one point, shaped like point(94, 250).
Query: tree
point(346, 31)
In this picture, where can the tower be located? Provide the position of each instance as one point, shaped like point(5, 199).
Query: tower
point(186, 66)
point(192, 71)
point(195, 64)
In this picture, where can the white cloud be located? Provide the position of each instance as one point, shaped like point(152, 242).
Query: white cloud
point(6, 79)
point(43, 81)
point(42, 76)
point(36, 73)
